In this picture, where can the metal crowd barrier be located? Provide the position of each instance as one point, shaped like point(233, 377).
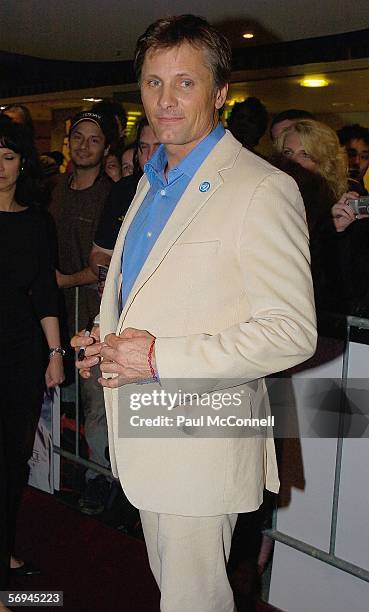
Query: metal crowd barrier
point(329, 558)
point(76, 456)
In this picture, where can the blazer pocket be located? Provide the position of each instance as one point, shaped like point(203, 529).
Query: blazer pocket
point(196, 249)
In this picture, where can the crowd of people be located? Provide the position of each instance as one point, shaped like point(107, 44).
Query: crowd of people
point(329, 169)
point(58, 233)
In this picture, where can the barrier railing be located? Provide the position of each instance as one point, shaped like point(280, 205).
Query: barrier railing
point(330, 558)
point(76, 456)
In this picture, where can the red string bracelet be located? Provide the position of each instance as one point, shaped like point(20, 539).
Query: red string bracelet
point(149, 360)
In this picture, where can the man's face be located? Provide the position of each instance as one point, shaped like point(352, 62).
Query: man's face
point(127, 162)
point(180, 99)
point(15, 115)
point(358, 157)
point(113, 168)
point(87, 145)
point(147, 145)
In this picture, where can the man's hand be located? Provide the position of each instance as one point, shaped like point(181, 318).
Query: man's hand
point(83, 277)
point(127, 357)
point(63, 280)
point(99, 256)
point(92, 354)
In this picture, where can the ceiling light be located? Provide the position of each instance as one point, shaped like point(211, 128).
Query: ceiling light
point(232, 101)
point(314, 82)
point(248, 35)
point(92, 99)
point(337, 104)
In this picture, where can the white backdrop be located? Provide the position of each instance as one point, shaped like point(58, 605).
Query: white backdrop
point(301, 583)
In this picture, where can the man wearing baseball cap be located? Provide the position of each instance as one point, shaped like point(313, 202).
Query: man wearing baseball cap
point(77, 203)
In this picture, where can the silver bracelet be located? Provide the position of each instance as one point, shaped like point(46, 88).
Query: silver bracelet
point(58, 350)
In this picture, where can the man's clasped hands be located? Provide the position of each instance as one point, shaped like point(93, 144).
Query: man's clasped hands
point(123, 359)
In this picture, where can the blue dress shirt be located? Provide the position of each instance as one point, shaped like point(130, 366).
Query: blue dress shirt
point(158, 205)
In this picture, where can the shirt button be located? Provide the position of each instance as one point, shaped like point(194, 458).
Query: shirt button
point(162, 192)
point(149, 234)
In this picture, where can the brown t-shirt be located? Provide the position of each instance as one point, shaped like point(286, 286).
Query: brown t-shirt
point(76, 214)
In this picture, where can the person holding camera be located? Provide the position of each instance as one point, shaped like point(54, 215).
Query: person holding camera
point(344, 211)
point(339, 247)
point(355, 243)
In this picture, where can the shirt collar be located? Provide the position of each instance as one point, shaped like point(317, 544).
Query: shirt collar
point(154, 168)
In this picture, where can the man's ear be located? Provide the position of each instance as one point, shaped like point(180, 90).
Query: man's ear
point(221, 96)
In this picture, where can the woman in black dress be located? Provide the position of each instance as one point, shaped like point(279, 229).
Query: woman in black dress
point(28, 316)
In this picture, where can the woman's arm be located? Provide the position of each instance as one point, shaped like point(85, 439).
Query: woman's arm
point(54, 374)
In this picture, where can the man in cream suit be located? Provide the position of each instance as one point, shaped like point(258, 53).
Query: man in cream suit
point(216, 288)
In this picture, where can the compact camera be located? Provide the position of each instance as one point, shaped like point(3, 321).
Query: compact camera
point(360, 206)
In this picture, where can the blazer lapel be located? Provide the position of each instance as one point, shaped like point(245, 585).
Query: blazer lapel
point(222, 157)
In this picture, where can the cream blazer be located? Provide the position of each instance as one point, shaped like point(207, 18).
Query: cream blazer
point(227, 292)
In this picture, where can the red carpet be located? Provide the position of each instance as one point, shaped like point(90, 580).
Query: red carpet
point(98, 568)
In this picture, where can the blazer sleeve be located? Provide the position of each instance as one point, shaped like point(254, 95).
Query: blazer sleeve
point(273, 254)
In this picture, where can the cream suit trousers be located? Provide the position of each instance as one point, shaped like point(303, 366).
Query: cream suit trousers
point(188, 557)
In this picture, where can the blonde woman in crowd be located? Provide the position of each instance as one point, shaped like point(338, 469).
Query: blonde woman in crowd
point(315, 146)
point(311, 153)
